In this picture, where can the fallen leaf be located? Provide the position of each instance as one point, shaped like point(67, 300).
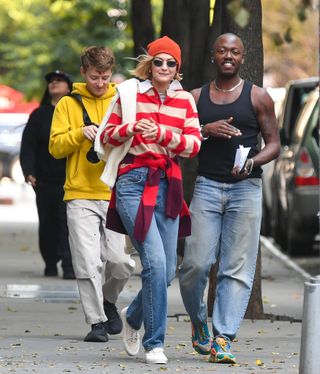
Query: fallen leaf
point(261, 331)
point(9, 309)
point(259, 362)
point(181, 345)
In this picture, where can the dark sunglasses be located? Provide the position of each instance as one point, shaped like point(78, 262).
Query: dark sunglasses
point(158, 63)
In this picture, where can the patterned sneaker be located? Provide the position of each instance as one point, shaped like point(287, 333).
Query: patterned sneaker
point(201, 339)
point(220, 351)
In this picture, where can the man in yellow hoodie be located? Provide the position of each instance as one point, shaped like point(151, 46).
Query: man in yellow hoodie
point(101, 265)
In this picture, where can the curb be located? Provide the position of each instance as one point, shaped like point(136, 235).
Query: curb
point(268, 244)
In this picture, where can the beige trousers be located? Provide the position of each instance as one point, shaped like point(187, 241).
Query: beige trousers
point(99, 260)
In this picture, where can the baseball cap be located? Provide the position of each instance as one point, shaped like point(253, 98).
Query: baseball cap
point(61, 74)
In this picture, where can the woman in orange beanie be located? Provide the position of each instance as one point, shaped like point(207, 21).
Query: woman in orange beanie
point(151, 128)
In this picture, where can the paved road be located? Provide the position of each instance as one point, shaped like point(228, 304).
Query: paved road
point(42, 324)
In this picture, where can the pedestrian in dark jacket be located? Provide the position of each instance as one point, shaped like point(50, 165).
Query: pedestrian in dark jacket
point(47, 176)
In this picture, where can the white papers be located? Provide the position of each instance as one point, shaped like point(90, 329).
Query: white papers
point(241, 156)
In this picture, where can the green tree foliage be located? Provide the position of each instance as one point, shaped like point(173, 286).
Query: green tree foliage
point(40, 35)
point(37, 36)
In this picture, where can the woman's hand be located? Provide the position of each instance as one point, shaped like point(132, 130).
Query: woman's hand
point(148, 128)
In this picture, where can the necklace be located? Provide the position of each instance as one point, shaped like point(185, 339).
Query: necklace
point(229, 90)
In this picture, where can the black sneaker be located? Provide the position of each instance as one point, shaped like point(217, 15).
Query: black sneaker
point(114, 324)
point(69, 274)
point(98, 333)
point(50, 271)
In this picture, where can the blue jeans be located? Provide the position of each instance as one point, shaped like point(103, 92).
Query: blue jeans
point(226, 220)
point(157, 255)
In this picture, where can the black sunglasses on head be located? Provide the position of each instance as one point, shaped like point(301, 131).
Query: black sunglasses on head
point(158, 63)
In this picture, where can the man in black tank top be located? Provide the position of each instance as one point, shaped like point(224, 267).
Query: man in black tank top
point(227, 201)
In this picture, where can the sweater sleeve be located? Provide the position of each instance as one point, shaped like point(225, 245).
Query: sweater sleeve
point(65, 137)
point(116, 133)
point(28, 151)
point(187, 144)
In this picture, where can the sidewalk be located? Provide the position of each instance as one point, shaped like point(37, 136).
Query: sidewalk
point(42, 325)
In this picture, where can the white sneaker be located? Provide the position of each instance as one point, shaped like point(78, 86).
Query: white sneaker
point(130, 336)
point(156, 356)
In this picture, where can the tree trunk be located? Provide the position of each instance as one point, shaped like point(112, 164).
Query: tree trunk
point(187, 22)
point(255, 306)
point(142, 25)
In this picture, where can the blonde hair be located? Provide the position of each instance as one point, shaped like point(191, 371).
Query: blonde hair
point(143, 68)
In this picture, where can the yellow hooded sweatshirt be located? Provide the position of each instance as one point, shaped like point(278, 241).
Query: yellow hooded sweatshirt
point(67, 140)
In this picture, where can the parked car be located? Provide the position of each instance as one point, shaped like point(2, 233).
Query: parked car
point(11, 128)
point(295, 183)
point(277, 95)
point(295, 97)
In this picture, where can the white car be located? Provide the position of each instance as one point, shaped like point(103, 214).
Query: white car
point(11, 129)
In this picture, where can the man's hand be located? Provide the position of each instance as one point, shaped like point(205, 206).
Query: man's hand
point(221, 129)
point(90, 132)
point(245, 171)
point(31, 180)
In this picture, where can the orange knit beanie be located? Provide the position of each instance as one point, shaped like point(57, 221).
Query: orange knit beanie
point(165, 45)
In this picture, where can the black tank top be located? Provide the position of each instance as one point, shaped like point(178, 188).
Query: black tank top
point(216, 156)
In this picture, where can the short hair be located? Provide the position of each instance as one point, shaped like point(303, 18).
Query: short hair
point(101, 58)
point(143, 68)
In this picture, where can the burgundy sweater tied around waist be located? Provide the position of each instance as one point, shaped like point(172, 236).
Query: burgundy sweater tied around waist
point(175, 204)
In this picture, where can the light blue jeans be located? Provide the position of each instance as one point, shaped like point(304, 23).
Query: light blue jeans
point(226, 220)
point(157, 255)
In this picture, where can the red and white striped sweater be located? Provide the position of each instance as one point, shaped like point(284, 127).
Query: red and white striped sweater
point(177, 117)
point(178, 135)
